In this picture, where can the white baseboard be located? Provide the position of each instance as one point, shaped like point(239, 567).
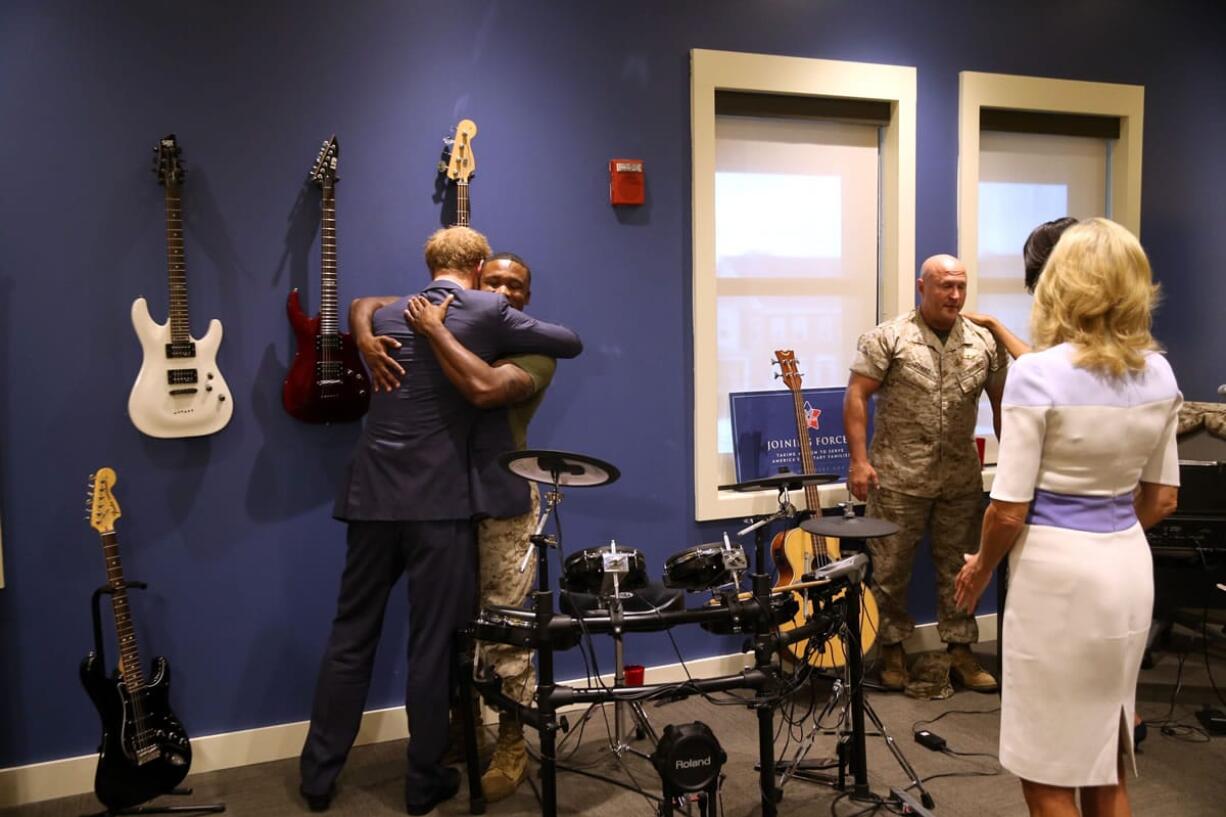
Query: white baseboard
point(20, 785)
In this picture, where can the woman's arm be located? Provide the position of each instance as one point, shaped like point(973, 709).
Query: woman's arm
point(1002, 524)
point(1014, 345)
point(1154, 502)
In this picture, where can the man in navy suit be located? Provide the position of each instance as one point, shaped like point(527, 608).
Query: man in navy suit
point(424, 467)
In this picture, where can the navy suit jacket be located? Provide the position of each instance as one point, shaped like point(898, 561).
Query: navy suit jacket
point(425, 452)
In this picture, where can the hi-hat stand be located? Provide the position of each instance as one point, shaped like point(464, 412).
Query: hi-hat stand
point(619, 741)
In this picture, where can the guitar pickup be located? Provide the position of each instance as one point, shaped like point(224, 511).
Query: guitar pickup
point(180, 349)
point(328, 343)
point(178, 377)
point(328, 372)
point(147, 754)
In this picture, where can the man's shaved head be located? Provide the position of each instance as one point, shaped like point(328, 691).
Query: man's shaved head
point(942, 289)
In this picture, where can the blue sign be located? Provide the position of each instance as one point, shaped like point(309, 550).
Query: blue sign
point(764, 433)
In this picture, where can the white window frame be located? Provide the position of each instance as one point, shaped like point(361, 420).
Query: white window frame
point(977, 90)
point(1019, 93)
point(733, 71)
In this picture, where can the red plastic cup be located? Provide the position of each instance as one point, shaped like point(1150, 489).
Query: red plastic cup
point(634, 675)
point(980, 445)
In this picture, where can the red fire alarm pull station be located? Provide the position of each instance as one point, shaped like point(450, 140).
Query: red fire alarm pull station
point(625, 181)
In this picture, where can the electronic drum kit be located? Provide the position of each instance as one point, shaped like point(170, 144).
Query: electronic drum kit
point(611, 578)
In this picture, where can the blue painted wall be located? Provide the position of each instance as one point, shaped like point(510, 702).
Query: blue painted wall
point(233, 532)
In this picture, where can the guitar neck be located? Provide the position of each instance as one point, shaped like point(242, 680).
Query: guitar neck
point(812, 500)
point(328, 324)
point(461, 203)
point(129, 655)
point(180, 325)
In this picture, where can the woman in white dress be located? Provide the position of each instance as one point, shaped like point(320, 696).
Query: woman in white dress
point(1087, 462)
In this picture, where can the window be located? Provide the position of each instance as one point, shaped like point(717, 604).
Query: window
point(804, 229)
point(796, 252)
point(1024, 180)
point(1031, 150)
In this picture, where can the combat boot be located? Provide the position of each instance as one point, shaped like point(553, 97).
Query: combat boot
point(893, 667)
point(509, 765)
point(965, 669)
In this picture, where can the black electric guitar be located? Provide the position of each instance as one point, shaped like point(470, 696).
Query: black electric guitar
point(145, 751)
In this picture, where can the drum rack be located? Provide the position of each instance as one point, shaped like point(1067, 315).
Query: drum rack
point(550, 630)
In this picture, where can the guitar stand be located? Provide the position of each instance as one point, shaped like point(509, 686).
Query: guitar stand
point(210, 808)
point(201, 808)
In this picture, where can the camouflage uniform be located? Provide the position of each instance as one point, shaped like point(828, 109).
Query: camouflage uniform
point(502, 544)
point(924, 453)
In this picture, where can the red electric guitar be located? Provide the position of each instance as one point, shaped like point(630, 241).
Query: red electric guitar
point(327, 382)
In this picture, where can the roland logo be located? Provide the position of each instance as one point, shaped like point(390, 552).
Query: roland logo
point(690, 764)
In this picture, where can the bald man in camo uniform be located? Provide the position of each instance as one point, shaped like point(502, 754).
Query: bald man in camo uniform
point(928, 369)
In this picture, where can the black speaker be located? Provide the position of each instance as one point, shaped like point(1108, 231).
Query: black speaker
point(688, 758)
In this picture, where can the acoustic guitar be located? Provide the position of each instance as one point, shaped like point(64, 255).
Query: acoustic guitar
point(327, 382)
point(145, 750)
point(797, 552)
point(179, 391)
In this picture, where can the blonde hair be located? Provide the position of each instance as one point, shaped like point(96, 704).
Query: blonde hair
point(1097, 293)
point(455, 248)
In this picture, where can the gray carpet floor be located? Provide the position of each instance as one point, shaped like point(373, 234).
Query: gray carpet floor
point(1182, 773)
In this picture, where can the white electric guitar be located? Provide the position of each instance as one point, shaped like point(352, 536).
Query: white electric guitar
point(180, 391)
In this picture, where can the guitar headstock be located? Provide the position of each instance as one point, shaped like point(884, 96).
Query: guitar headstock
point(789, 370)
point(325, 163)
point(461, 164)
point(103, 507)
point(166, 164)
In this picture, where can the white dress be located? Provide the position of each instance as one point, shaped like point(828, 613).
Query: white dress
point(1081, 587)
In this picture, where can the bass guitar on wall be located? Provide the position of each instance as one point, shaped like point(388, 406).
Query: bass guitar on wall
point(459, 165)
point(326, 382)
point(179, 391)
point(797, 552)
point(145, 750)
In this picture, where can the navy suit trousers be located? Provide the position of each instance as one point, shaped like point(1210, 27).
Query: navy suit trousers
point(438, 558)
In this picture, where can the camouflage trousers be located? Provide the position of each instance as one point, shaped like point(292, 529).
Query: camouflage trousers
point(502, 544)
point(953, 525)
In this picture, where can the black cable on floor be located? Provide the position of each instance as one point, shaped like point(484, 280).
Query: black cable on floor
point(918, 724)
